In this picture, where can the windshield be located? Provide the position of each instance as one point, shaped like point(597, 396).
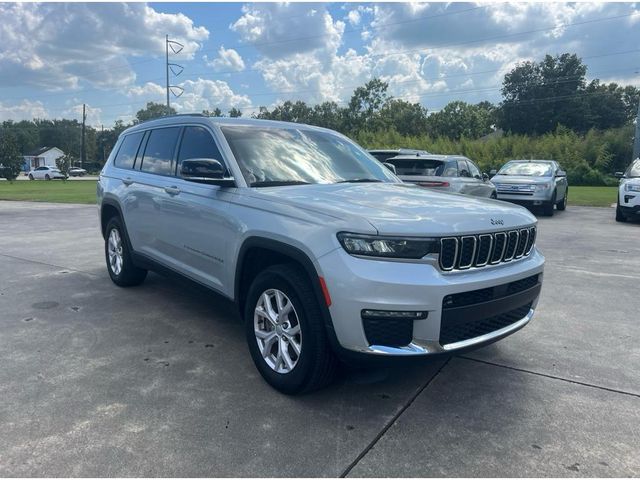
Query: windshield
point(528, 169)
point(285, 156)
point(634, 170)
point(423, 167)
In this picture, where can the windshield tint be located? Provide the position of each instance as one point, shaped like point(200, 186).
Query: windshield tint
point(634, 170)
point(418, 167)
point(281, 156)
point(528, 169)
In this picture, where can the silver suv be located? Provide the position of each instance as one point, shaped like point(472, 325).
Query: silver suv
point(327, 254)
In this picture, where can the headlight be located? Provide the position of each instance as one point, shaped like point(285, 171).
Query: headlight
point(631, 187)
point(390, 247)
point(542, 186)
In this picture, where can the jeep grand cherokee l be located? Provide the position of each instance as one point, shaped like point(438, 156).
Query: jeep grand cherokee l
point(326, 252)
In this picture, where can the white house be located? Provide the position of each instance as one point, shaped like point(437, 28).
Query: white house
point(42, 157)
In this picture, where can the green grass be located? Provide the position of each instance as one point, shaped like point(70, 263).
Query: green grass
point(592, 196)
point(84, 191)
point(80, 191)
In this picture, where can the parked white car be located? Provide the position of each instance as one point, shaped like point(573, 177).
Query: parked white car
point(629, 193)
point(46, 173)
point(77, 172)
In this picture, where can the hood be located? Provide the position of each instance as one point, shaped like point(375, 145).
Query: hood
point(402, 209)
point(520, 179)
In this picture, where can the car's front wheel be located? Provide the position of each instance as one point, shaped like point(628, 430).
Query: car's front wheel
point(118, 256)
point(47, 177)
point(30, 177)
point(285, 331)
point(547, 208)
point(620, 217)
point(562, 204)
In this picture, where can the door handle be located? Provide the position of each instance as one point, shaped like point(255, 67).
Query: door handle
point(127, 181)
point(172, 190)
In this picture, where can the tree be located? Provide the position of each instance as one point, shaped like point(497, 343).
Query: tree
point(363, 112)
point(460, 119)
point(235, 113)
point(153, 110)
point(64, 163)
point(540, 96)
point(216, 112)
point(407, 118)
point(10, 158)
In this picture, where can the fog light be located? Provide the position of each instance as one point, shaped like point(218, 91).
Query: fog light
point(393, 314)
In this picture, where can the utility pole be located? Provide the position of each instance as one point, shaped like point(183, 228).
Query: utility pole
point(176, 47)
point(83, 151)
point(636, 141)
point(102, 142)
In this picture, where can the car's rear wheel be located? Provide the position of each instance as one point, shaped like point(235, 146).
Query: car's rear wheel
point(562, 204)
point(118, 256)
point(47, 177)
point(547, 208)
point(493, 195)
point(285, 331)
point(620, 217)
point(30, 177)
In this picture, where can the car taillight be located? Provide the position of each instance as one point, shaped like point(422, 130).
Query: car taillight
point(433, 184)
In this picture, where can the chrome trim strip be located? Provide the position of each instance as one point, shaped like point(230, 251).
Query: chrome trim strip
point(482, 264)
point(473, 252)
point(426, 347)
point(505, 259)
point(455, 254)
point(532, 232)
point(524, 246)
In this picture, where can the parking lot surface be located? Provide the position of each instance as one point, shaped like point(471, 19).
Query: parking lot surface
point(157, 380)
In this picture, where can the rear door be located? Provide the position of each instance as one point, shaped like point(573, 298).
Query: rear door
point(467, 184)
point(479, 187)
point(148, 201)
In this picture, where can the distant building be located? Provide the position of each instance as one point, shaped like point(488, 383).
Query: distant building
point(42, 157)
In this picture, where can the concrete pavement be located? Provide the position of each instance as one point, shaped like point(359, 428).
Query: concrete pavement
point(157, 381)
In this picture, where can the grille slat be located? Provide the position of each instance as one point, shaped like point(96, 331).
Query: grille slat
point(472, 251)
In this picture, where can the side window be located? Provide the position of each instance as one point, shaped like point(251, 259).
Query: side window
point(197, 142)
point(126, 156)
point(158, 155)
point(463, 168)
point(475, 171)
point(450, 169)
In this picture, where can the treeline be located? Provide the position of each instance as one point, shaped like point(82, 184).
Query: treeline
point(548, 110)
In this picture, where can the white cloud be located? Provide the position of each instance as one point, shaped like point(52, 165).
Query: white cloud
point(354, 17)
point(57, 45)
point(228, 59)
point(204, 94)
point(25, 110)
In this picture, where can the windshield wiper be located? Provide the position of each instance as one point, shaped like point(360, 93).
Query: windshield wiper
point(278, 183)
point(361, 180)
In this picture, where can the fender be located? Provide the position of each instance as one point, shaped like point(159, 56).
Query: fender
point(295, 254)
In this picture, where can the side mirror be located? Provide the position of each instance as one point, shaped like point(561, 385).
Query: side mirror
point(485, 177)
point(390, 166)
point(618, 174)
point(561, 173)
point(493, 172)
point(204, 170)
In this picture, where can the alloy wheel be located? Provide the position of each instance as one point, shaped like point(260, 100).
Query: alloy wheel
point(277, 330)
point(114, 249)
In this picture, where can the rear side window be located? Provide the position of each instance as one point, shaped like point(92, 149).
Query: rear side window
point(197, 142)
point(463, 168)
point(158, 155)
point(126, 156)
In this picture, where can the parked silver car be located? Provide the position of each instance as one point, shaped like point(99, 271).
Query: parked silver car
point(445, 173)
point(533, 183)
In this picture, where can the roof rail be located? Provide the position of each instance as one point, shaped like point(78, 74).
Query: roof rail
point(174, 115)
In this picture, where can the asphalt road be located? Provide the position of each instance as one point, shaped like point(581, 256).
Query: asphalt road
point(157, 381)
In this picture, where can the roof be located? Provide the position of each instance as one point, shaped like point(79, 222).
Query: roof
point(40, 151)
point(220, 121)
point(399, 151)
point(525, 160)
point(430, 156)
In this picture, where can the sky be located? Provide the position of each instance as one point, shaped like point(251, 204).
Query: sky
point(111, 56)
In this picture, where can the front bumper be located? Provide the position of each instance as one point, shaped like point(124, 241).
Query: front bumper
point(526, 198)
point(629, 201)
point(357, 284)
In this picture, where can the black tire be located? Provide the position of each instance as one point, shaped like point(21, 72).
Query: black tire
point(547, 208)
point(562, 204)
point(493, 196)
point(47, 177)
point(316, 364)
point(30, 177)
point(620, 217)
point(129, 275)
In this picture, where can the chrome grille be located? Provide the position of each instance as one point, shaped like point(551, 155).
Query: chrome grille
point(464, 252)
